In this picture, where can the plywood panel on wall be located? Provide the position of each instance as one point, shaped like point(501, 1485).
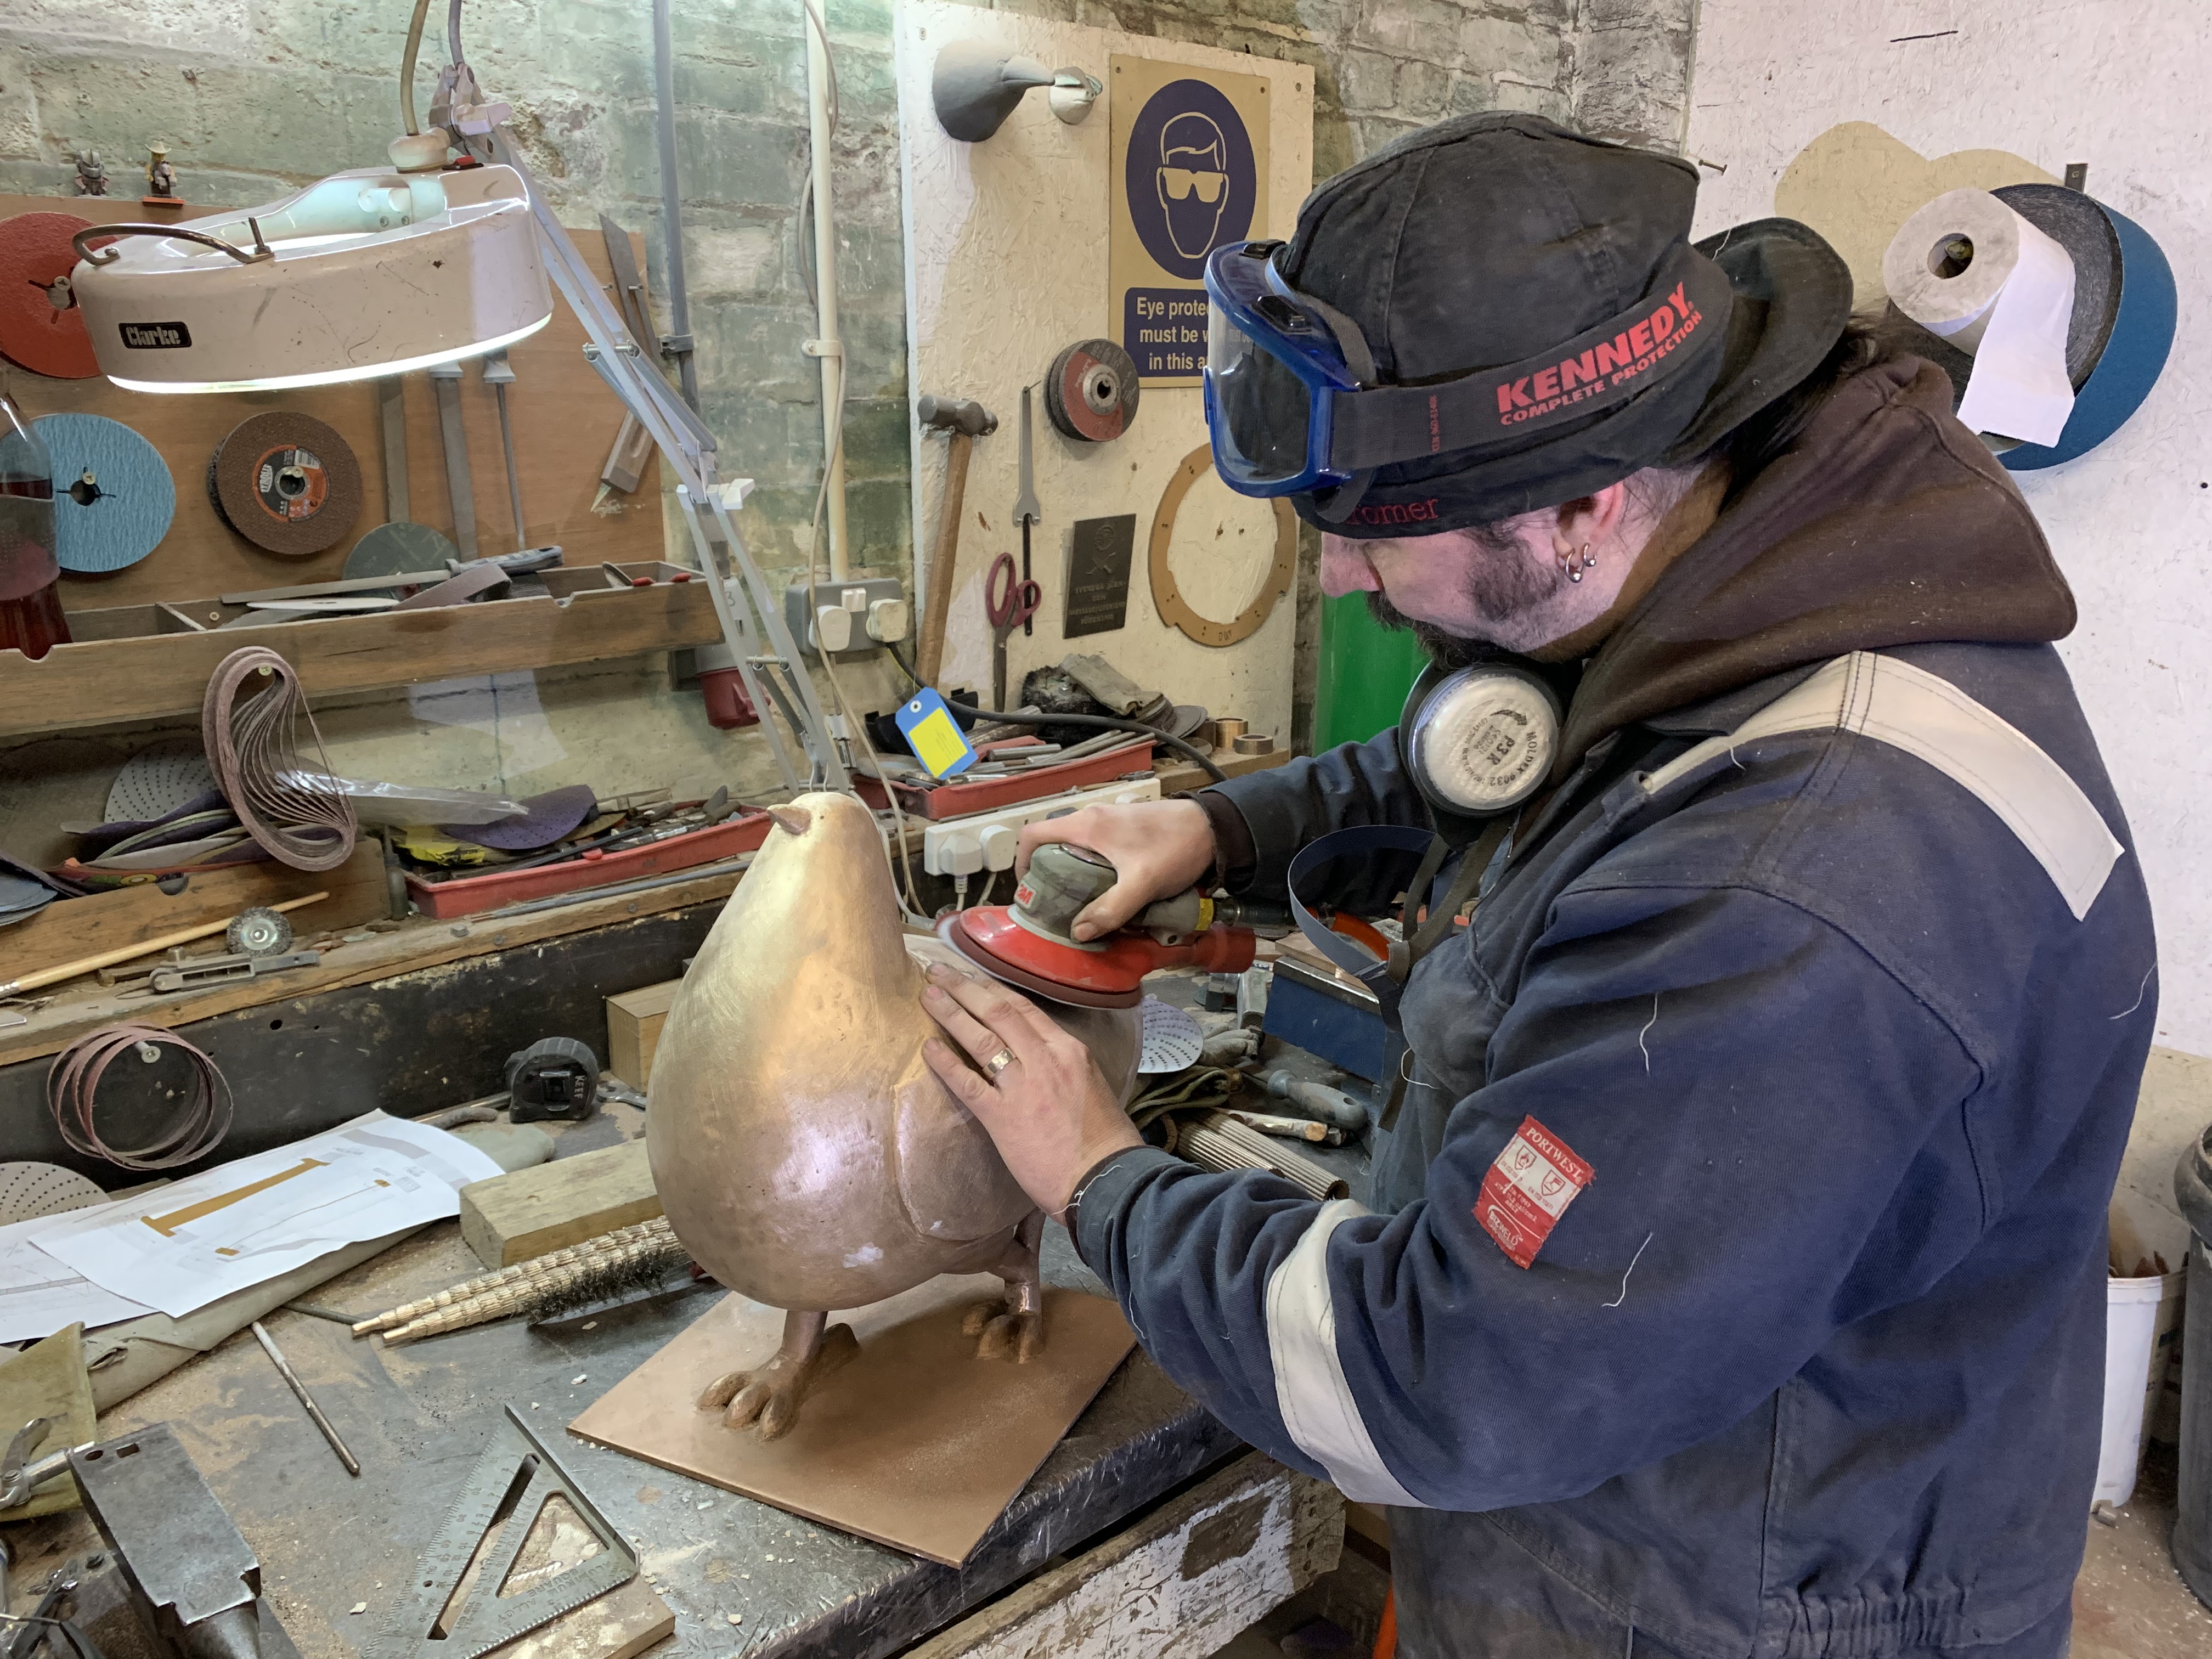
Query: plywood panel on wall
point(1006, 262)
point(2117, 84)
point(564, 418)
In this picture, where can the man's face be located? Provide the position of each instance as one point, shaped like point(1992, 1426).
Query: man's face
point(1497, 586)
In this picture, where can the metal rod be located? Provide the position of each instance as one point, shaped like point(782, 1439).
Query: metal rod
point(828, 342)
point(671, 201)
point(314, 1412)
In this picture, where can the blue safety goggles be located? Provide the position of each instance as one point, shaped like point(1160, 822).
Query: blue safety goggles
point(1291, 405)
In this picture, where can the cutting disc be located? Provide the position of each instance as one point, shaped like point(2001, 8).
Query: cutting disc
point(287, 482)
point(35, 256)
point(1090, 392)
point(113, 497)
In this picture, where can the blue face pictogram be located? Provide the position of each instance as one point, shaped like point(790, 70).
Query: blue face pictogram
point(1191, 182)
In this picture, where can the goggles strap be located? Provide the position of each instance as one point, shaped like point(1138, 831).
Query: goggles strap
point(1677, 325)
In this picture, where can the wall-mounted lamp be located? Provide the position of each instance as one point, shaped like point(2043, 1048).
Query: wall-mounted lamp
point(976, 87)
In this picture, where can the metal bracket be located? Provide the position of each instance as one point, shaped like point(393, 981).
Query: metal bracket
point(822, 348)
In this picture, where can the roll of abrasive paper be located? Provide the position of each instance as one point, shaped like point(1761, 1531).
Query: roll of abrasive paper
point(1969, 269)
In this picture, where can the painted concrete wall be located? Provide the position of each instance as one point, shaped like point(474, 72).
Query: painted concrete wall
point(2117, 84)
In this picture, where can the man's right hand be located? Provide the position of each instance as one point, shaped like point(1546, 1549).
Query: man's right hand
point(1158, 848)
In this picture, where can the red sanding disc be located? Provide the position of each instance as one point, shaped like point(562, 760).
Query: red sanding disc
point(34, 255)
point(1090, 392)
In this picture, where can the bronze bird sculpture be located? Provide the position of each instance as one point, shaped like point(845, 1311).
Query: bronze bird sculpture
point(804, 1152)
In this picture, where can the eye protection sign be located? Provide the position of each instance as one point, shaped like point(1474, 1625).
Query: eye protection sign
point(1189, 171)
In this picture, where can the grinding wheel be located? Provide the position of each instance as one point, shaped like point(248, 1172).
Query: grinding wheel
point(113, 497)
point(36, 258)
point(287, 482)
point(1090, 392)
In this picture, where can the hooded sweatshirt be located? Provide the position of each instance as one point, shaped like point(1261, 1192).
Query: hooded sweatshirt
point(1736, 1267)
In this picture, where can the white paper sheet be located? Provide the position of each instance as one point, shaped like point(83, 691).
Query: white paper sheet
point(39, 1295)
point(2018, 388)
point(183, 1246)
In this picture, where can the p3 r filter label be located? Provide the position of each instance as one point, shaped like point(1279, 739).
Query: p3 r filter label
point(1526, 1190)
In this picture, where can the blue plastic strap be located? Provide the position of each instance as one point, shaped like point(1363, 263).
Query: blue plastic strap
point(1353, 957)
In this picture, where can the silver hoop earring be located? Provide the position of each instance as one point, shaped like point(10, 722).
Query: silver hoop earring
point(1583, 559)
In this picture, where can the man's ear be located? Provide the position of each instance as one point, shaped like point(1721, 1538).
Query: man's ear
point(1589, 520)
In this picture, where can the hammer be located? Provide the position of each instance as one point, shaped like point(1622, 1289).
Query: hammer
point(965, 419)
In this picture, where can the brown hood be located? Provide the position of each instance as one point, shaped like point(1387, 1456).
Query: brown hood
point(1886, 523)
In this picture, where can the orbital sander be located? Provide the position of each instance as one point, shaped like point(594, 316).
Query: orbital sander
point(1031, 945)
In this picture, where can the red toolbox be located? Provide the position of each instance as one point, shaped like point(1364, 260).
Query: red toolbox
point(953, 800)
point(469, 895)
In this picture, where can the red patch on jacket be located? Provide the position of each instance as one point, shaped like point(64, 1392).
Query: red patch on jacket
point(1527, 1188)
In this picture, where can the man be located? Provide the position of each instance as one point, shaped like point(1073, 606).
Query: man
point(1735, 1284)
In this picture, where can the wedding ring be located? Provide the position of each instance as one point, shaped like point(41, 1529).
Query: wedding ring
point(998, 1062)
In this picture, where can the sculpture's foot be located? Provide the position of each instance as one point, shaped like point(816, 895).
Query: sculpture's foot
point(1013, 1326)
point(770, 1394)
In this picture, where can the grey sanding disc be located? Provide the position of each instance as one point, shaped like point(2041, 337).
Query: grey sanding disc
point(398, 548)
point(31, 1190)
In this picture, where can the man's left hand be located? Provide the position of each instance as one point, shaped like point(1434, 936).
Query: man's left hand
point(1044, 1103)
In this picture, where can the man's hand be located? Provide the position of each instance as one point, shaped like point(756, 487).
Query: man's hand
point(1158, 848)
point(1049, 1112)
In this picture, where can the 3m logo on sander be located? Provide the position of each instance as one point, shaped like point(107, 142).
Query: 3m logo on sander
point(1527, 1188)
point(1604, 368)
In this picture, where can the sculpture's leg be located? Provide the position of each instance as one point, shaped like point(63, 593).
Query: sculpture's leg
point(770, 1393)
point(1014, 1324)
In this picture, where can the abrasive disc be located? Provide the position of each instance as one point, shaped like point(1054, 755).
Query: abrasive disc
point(287, 482)
point(36, 256)
point(157, 780)
point(1172, 1038)
point(1090, 392)
point(399, 548)
point(30, 1190)
point(113, 497)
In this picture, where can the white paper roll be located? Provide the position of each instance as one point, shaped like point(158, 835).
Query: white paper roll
point(1969, 269)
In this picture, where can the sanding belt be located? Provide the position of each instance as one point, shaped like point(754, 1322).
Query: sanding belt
point(73, 1089)
point(251, 745)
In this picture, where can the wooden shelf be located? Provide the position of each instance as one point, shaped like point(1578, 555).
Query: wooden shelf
point(114, 681)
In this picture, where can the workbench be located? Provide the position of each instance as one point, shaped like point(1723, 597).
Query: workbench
point(417, 1416)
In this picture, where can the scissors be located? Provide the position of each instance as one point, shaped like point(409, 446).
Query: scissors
point(1008, 604)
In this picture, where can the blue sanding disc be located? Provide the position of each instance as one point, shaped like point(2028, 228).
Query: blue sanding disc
point(113, 497)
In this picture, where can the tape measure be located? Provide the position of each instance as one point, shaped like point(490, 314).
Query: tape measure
point(287, 482)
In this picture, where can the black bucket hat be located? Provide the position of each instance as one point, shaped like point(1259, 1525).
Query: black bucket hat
point(1489, 240)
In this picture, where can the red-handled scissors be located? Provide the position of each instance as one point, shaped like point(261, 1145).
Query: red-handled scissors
point(1008, 604)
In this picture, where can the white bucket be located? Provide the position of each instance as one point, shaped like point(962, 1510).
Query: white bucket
point(2138, 1314)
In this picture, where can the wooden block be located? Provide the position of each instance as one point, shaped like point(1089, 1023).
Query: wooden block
point(69, 929)
point(1180, 1584)
point(634, 1023)
point(512, 1217)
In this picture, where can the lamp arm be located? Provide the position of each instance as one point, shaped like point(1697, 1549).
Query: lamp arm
point(689, 447)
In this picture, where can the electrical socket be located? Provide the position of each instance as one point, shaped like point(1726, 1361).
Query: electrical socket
point(988, 839)
point(858, 614)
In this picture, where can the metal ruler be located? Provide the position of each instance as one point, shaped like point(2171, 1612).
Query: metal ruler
point(510, 1484)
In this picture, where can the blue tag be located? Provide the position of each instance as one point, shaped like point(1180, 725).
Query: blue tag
point(934, 736)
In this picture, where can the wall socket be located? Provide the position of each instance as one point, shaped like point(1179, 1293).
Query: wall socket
point(985, 840)
point(858, 614)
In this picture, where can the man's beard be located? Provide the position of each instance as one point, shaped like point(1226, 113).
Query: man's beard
point(1504, 584)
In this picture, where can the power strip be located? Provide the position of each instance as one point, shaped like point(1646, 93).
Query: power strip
point(987, 841)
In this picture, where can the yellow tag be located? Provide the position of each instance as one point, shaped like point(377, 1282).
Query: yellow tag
point(937, 742)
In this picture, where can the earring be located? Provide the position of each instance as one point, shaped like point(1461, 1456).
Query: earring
point(1583, 559)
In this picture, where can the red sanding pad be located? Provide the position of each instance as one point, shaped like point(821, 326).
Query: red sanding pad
point(35, 253)
point(1108, 977)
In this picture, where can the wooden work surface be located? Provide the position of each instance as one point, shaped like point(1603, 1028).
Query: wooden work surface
point(565, 419)
point(415, 1417)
